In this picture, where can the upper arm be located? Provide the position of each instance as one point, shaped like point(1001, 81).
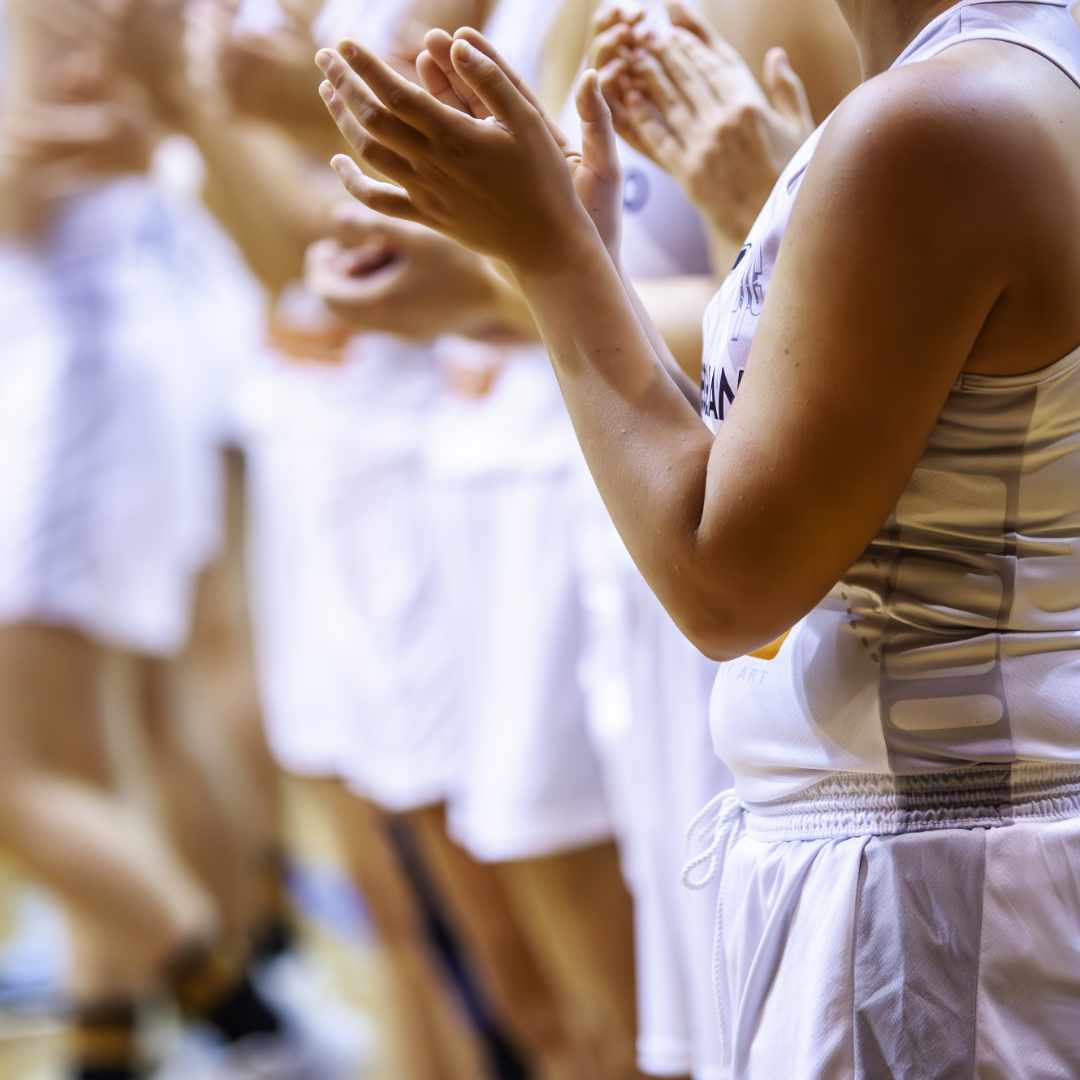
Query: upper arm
point(888, 270)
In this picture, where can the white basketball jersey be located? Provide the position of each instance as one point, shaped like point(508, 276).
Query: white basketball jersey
point(953, 639)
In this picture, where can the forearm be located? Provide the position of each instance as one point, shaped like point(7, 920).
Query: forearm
point(671, 311)
point(646, 447)
point(259, 188)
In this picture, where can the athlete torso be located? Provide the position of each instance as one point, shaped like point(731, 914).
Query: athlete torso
point(951, 640)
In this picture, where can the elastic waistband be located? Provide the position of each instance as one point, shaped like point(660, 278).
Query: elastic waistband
point(859, 804)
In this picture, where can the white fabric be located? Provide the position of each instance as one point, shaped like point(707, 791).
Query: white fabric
point(288, 474)
point(952, 638)
point(507, 466)
point(652, 689)
point(95, 461)
point(918, 922)
point(351, 643)
point(529, 781)
point(948, 952)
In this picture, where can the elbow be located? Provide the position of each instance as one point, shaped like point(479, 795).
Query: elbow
point(725, 630)
point(712, 632)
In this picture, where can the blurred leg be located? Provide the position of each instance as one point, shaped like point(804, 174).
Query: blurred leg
point(430, 1029)
point(203, 791)
point(69, 831)
point(218, 670)
point(501, 946)
point(579, 911)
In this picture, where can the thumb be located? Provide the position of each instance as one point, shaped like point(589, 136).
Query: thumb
point(785, 90)
point(599, 146)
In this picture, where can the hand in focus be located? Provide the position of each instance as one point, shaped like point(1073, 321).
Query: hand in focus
point(388, 276)
point(501, 183)
point(687, 100)
point(595, 169)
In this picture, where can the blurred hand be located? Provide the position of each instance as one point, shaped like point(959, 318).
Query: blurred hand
point(149, 45)
point(269, 76)
point(688, 101)
point(140, 41)
point(382, 275)
point(71, 115)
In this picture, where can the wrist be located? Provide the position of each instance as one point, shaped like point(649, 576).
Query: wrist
point(570, 254)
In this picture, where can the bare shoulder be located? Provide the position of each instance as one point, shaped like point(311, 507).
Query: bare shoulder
point(946, 148)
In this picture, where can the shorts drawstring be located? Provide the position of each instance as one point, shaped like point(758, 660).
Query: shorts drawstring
point(710, 831)
point(713, 831)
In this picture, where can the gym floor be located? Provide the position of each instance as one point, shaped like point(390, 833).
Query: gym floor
point(335, 935)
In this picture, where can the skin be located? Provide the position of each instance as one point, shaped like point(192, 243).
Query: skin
point(261, 190)
point(482, 297)
point(370, 271)
point(134, 902)
point(128, 895)
point(946, 258)
point(425, 1038)
point(689, 101)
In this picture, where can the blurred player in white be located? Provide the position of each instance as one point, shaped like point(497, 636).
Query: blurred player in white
point(880, 457)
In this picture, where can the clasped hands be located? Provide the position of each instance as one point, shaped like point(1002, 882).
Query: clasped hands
point(469, 153)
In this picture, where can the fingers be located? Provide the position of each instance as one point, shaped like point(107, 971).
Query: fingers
point(610, 15)
point(436, 82)
point(785, 90)
point(355, 107)
point(676, 52)
point(599, 146)
point(652, 77)
point(494, 88)
point(383, 160)
point(383, 198)
point(653, 136)
point(439, 44)
point(615, 86)
point(481, 43)
point(407, 102)
point(355, 225)
point(337, 272)
point(690, 20)
point(617, 41)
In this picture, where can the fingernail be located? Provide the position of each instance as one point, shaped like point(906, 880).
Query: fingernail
point(323, 59)
point(466, 51)
point(349, 51)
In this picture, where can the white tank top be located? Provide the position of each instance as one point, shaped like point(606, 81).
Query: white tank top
point(953, 640)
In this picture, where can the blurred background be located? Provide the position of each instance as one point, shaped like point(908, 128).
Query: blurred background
point(335, 722)
point(152, 316)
